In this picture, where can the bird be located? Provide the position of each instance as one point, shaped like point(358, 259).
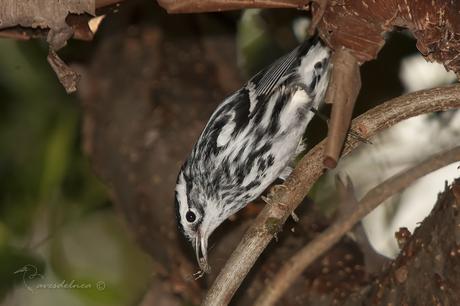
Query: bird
point(250, 140)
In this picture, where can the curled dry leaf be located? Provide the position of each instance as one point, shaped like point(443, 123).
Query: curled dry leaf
point(47, 15)
point(50, 15)
point(67, 77)
point(359, 25)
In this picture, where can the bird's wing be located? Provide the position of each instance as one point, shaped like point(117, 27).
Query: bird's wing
point(268, 79)
point(234, 114)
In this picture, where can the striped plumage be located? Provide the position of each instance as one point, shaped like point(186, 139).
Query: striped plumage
point(249, 141)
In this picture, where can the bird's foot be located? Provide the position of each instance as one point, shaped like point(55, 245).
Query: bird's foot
point(294, 216)
point(277, 188)
point(265, 199)
point(199, 274)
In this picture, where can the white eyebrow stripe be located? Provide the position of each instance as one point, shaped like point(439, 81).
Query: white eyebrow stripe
point(181, 189)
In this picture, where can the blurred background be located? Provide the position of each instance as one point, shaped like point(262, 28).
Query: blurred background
point(58, 222)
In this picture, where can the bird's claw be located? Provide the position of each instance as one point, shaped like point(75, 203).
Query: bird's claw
point(294, 216)
point(265, 199)
point(198, 274)
point(277, 188)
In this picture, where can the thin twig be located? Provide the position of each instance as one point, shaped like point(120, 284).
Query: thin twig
point(198, 6)
point(103, 3)
point(308, 170)
point(14, 33)
point(297, 263)
point(373, 261)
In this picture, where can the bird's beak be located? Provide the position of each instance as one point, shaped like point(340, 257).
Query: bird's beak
point(201, 251)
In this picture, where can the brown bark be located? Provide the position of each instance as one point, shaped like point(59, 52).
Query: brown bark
point(196, 6)
point(359, 25)
point(67, 77)
point(427, 271)
point(50, 15)
point(136, 139)
point(342, 92)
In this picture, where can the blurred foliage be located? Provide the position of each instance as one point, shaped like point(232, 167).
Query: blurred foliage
point(49, 194)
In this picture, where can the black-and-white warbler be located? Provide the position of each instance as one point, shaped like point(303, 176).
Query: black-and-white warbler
point(249, 141)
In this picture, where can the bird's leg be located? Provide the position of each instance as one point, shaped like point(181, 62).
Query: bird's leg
point(277, 188)
point(265, 199)
point(268, 199)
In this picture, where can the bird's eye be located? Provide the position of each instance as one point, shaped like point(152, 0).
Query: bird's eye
point(190, 216)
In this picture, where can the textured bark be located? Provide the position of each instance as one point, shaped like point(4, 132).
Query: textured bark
point(50, 15)
point(41, 14)
point(294, 266)
point(359, 25)
point(427, 271)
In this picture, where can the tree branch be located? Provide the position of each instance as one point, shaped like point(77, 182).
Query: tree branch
point(297, 263)
point(308, 170)
point(373, 261)
point(103, 3)
point(198, 6)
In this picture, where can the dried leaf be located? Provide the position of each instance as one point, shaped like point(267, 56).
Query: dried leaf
point(50, 14)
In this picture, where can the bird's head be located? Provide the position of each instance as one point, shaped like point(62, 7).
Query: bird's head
point(198, 217)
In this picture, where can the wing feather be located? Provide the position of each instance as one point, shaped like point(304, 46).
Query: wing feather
point(268, 79)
